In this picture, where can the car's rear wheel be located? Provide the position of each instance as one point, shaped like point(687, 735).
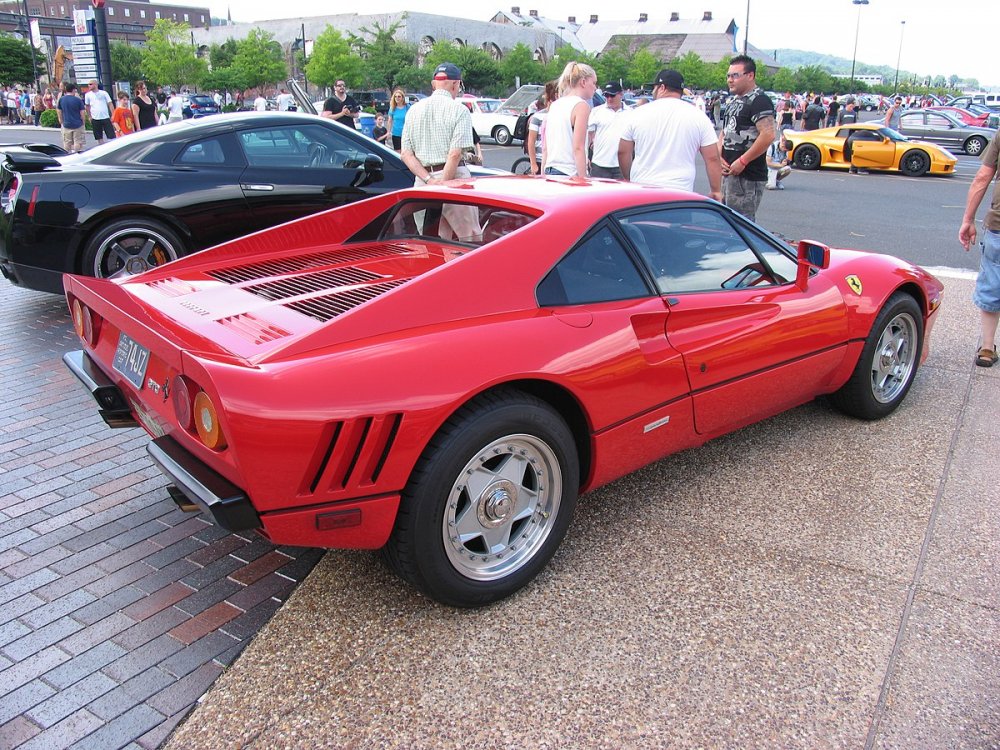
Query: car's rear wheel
point(502, 135)
point(129, 246)
point(807, 156)
point(915, 163)
point(489, 501)
point(888, 361)
point(975, 145)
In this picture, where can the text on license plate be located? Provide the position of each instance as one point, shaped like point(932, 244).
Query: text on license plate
point(131, 359)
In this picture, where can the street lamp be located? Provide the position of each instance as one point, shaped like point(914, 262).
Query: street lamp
point(895, 83)
point(857, 28)
point(746, 30)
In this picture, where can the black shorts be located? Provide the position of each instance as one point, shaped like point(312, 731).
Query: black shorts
point(103, 129)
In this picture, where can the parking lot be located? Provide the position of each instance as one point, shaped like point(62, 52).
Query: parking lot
point(811, 581)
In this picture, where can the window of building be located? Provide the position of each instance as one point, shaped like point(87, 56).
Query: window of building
point(128, 12)
point(186, 19)
point(157, 14)
point(111, 11)
point(142, 13)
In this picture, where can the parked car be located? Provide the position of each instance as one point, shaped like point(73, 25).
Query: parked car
point(155, 196)
point(368, 378)
point(992, 101)
point(966, 116)
point(945, 130)
point(875, 147)
point(199, 105)
point(490, 119)
point(377, 100)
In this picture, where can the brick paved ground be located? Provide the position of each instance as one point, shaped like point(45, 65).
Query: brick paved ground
point(117, 610)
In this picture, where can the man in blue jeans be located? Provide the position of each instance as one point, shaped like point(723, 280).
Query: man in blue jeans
point(987, 293)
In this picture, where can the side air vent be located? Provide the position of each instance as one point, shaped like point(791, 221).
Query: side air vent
point(319, 281)
point(281, 266)
point(329, 306)
point(354, 452)
point(253, 329)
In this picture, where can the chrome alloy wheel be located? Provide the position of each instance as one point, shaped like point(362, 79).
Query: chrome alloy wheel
point(131, 251)
point(502, 507)
point(895, 358)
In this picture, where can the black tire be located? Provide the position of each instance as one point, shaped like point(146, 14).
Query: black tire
point(807, 156)
point(888, 361)
point(975, 145)
point(521, 166)
point(129, 246)
point(502, 136)
point(914, 163)
point(468, 547)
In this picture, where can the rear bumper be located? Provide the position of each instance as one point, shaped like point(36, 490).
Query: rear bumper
point(41, 279)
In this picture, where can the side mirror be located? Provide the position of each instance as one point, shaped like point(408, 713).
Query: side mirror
point(369, 172)
point(810, 255)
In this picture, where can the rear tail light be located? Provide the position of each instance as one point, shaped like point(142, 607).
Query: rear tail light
point(86, 323)
point(206, 422)
point(11, 192)
point(33, 202)
point(180, 394)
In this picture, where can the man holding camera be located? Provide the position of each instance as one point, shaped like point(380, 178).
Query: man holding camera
point(342, 107)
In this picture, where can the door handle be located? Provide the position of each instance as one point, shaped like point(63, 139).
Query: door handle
point(257, 186)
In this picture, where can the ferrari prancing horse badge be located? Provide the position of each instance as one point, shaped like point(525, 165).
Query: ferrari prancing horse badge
point(855, 283)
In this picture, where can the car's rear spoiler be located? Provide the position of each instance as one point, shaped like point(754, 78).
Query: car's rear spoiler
point(23, 160)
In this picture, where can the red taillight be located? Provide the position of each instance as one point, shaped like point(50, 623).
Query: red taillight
point(86, 323)
point(180, 393)
point(33, 201)
point(11, 192)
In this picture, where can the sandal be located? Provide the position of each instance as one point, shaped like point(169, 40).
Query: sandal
point(987, 357)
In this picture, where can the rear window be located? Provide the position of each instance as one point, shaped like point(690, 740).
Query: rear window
point(447, 221)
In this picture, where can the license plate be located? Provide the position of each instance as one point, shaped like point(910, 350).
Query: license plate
point(131, 359)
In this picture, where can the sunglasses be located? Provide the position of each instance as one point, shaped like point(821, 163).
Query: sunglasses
point(735, 75)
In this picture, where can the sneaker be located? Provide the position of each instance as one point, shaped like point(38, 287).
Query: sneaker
point(986, 357)
point(863, 171)
point(852, 170)
point(771, 187)
point(781, 187)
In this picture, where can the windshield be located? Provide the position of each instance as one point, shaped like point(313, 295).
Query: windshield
point(892, 135)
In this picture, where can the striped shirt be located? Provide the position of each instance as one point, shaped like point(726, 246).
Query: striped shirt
point(436, 125)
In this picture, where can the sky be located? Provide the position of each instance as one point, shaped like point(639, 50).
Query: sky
point(936, 39)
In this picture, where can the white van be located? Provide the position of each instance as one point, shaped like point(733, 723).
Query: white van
point(987, 100)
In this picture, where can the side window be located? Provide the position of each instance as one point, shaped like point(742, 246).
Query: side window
point(596, 270)
point(207, 151)
point(783, 266)
point(937, 121)
point(912, 120)
point(696, 250)
point(301, 146)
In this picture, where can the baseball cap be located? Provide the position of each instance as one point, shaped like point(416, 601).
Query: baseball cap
point(612, 89)
point(669, 78)
point(849, 100)
point(447, 72)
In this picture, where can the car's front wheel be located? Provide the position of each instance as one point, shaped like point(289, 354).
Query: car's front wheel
point(502, 136)
point(975, 145)
point(888, 361)
point(129, 246)
point(915, 163)
point(807, 156)
point(489, 501)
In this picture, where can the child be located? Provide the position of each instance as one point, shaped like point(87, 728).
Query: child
point(777, 164)
point(122, 118)
point(379, 132)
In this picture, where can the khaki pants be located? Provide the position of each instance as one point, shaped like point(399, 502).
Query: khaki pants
point(74, 139)
point(457, 222)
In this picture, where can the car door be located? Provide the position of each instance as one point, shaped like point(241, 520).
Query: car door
point(871, 149)
point(752, 341)
point(942, 130)
point(911, 124)
point(299, 168)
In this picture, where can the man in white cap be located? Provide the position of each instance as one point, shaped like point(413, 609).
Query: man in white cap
point(660, 142)
point(436, 133)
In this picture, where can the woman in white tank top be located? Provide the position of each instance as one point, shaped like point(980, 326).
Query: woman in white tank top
point(564, 148)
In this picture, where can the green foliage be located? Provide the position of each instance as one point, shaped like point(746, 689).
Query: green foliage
point(169, 58)
point(15, 60)
point(480, 72)
point(643, 68)
point(519, 62)
point(49, 119)
point(126, 62)
point(563, 56)
point(258, 60)
point(697, 73)
point(221, 55)
point(333, 59)
point(222, 79)
point(614, 64)
point(383, 55)
point(412, 78)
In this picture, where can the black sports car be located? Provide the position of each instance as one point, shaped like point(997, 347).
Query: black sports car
point(154, 196)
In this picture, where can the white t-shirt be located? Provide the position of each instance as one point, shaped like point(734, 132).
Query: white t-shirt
point(260, 104)
point(559, 135)
point(607, 125)
point(99, 103)
point(175, 107)
point(668, 134)
point(285, 102)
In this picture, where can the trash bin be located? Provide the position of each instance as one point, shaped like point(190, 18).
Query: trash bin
point(366, 124)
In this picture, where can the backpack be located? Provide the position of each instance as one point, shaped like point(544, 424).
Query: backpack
point(521, 130)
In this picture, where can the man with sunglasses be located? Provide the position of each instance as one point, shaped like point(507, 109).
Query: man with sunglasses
point(342, 107)
point(747, 133)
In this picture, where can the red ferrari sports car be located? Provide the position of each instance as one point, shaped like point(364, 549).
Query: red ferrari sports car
point(440, 371)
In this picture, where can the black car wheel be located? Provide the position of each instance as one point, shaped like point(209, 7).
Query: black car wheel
point(888, 361)
point(807, 156)
point(489, 501)
point(975, 145)
point(914, 163)
point(129, 246)
point(502, 136)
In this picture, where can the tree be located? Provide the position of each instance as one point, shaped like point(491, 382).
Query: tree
point(258, 60)
point(169, 57)
point(126, 62)
point(813, 78)
point(645, 65)
point(15, 60)
point(480, 72)
point(520, 63)
point(221, 55)
point(697, 74)
point(383, 54)
point(333, 60)
point(614, 64)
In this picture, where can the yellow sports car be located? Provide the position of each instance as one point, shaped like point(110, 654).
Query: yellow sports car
point(874, 147)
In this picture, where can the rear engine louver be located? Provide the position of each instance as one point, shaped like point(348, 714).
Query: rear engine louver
point(320, 281)
point(354, 453)
point(281, 266)
point(329, 306)
point(253, 329)
point(172, 287)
